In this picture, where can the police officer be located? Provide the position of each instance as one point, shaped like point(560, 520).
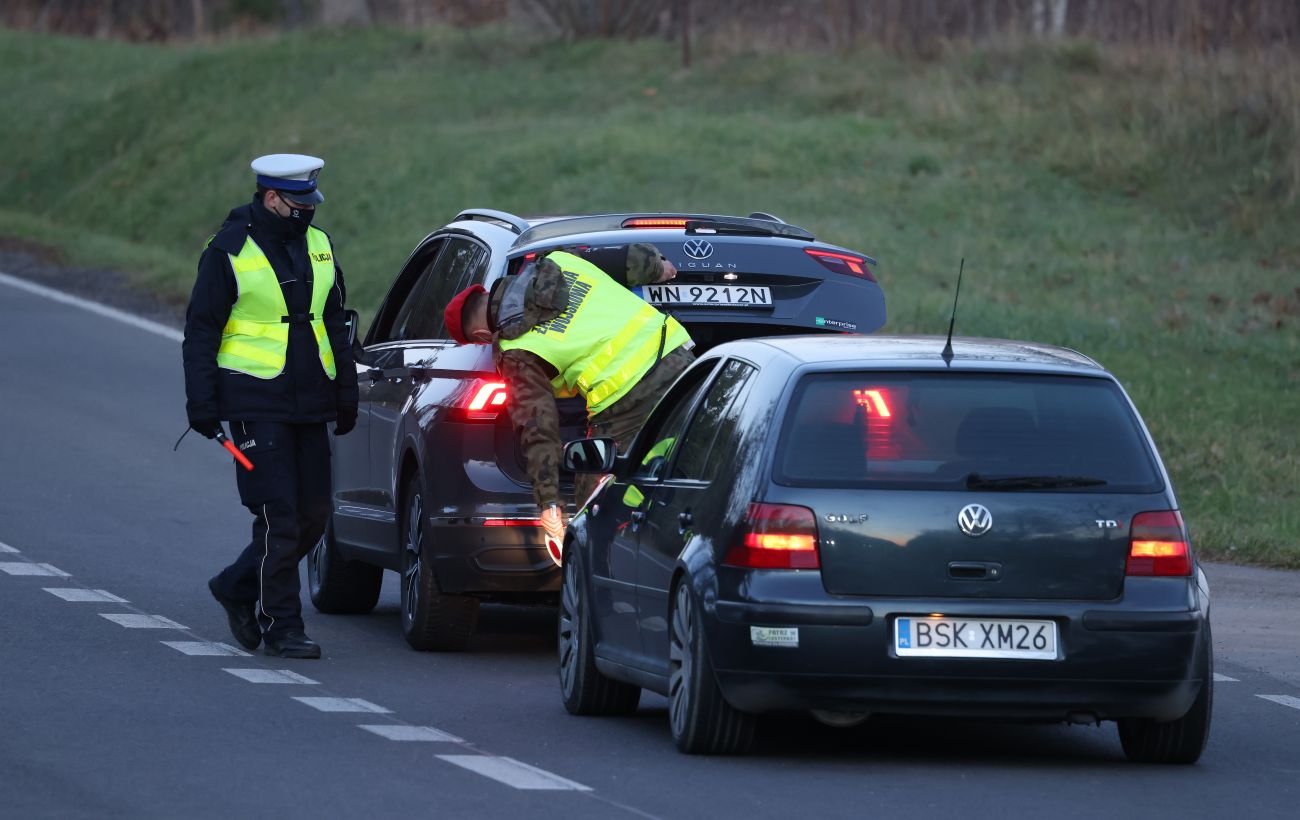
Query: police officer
point(566, 325)
point(266, 348)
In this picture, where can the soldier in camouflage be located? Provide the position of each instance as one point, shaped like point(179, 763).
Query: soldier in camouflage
point(477, 316)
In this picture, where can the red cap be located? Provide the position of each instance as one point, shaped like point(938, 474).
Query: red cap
point(452, 315)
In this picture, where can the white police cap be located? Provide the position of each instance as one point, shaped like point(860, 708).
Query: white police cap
point(293, 174)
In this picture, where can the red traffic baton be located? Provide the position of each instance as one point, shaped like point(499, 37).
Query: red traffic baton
point(234, 451)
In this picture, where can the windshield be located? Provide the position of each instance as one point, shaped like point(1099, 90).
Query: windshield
point(1005, 432)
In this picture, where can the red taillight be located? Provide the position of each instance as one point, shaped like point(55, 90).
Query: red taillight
point(1158, 545)
point(512, 522)
point(655, 222)
point(481, 402)
point(776, 536)
point(841, 262)
point(881, 437)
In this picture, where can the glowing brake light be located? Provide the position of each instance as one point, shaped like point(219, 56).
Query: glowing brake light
point(776, 536)
point(841, 262)
point(483, 401)
point(655, 222)
point(1158, 545)
point(512, 522)
point(873, 401)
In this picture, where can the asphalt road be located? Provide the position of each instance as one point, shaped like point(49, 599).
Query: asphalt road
point(101, 720)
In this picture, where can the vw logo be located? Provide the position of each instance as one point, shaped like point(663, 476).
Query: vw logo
point(698, 249)
point(975, 520)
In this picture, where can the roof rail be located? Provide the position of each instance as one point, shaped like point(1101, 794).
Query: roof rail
point(514, 223)
point(691, 222)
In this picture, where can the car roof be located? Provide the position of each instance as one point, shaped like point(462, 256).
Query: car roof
point(919, 353)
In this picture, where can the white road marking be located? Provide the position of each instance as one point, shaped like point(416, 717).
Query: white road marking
point(344, 705)
point(77, 594)
point(511, 772)
point(1224, 679)
point(427, 734)
point(142, 621)
point(6, 548)
point(113, 313)
point(206, 648)
point(28, 568)
point(1285, 700)
point(270, 676)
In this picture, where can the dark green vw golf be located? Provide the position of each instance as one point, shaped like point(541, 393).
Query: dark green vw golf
point(863, 525)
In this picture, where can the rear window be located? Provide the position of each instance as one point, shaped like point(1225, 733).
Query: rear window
point(932, 431)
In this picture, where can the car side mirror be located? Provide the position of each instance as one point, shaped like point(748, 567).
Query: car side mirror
point(352, 320)
point(590, 455)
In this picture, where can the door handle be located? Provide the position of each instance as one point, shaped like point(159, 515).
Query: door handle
point(684, 520)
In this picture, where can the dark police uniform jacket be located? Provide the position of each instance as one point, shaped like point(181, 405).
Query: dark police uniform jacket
point(303, 393)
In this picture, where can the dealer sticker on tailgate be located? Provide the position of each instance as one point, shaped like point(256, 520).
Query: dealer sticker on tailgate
point(944, 637)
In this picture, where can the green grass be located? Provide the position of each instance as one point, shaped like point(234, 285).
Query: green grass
point(1140, 208)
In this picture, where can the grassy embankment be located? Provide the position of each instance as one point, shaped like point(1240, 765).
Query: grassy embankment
point(1139, 209)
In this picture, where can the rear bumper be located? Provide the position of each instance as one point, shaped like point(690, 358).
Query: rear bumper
point(1115, 660)
point(506, 563)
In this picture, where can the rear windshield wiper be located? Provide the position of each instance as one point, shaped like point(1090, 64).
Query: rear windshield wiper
point(975, 481)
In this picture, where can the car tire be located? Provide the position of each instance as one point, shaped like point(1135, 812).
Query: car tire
point(702, 721)
point(1175, 741)
point(432, 621)
point(338, 586)
point(585, 690)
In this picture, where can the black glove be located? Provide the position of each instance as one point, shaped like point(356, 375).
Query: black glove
point(347, 419)
point(208, 428)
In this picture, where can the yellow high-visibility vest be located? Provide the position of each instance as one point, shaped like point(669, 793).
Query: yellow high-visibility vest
point(606, 339)
point(255, 339)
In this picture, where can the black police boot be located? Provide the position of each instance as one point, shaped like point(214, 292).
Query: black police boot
point(242, 617)
point(291, 645)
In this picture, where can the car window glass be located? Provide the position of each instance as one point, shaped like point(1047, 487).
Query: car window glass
point(461, 264)
point(383, 329)
point(664, 428)
point(901, 430)
point(713, 429)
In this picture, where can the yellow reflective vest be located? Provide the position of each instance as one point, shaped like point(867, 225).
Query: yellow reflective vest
point(255, 339)
point(606, 339)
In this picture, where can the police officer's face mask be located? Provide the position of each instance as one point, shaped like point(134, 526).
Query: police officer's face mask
point(296, 214)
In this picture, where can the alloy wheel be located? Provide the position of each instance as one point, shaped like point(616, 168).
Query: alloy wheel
point(316, 563)
point(412, 568)
point(679, 660)
point(570, 624)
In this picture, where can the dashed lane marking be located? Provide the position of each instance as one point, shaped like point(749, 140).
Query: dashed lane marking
point(142, 621)
point(6, 548)
point(1224, 679)
point(29, 568)
point(513, 773)
point(271, 676)
point(94, 307)
point(344, 705)
point(77, 594)
point(1285, 700)
point(206, 648)
point(427, 734)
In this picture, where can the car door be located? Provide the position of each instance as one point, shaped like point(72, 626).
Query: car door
point(401, 369)
point(361, 517)
point(690, 500)
point(625, 501)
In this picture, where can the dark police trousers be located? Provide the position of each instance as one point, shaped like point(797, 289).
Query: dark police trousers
point(288, 493)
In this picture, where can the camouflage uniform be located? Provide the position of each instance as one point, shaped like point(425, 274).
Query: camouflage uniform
point(532, 406)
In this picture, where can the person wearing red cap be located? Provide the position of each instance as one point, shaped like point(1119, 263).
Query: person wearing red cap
point(569, 325)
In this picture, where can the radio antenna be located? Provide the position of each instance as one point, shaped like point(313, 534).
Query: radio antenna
point(947, 348)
